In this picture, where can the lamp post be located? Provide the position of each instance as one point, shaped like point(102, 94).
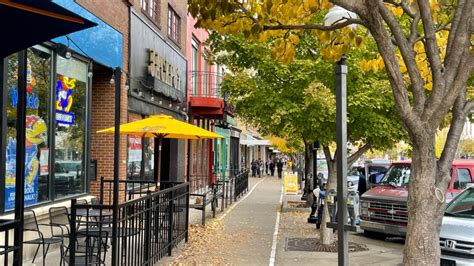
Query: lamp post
point(336, 15)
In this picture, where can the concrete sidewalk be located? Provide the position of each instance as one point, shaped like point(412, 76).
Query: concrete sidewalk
point(245, 235)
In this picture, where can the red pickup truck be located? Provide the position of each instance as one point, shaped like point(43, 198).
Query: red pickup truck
point(384, 207)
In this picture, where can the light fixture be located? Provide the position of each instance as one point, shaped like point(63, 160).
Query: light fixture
point(152, 98)
point(170, 105)
point(140, 93)
point(337, 14)
point(177, 107)
point(127, 87)
point(68, 53)
point(112, 79)
point(160, 102)
point(90, 74)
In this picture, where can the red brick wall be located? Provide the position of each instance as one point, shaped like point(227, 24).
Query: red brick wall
point(116, 14)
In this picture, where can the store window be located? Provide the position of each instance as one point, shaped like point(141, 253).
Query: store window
point(140, 161)
point(195, 67)
point(37, 171)
point(173, 25)
point(70, 105)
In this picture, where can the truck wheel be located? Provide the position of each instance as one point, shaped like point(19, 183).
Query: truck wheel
point(374, 235)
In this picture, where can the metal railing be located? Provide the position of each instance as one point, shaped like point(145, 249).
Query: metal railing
point(148, 228)
point(7, 248)
point(128, 189)
point(241, 183)
point(206, 84)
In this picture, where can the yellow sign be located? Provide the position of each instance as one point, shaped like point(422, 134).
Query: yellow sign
point(290, 184)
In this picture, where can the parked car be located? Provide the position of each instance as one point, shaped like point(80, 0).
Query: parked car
point(68, 176)
point(384, 207)
point(457, 230)
point(370, 171)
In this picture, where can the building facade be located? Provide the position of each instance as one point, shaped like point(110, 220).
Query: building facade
point(157, 84)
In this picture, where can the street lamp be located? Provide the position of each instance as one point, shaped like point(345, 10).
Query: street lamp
point(337, 15)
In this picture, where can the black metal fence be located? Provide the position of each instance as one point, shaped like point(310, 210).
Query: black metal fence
point(148, 228)
point(241, 183)
point(7, 248)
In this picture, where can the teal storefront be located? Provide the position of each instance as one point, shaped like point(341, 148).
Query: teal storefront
point(221, 153)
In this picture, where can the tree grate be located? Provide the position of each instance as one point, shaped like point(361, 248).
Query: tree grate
point(313, 245)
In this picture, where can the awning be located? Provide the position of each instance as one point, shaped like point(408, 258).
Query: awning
point(29, 22)
point(255, 142)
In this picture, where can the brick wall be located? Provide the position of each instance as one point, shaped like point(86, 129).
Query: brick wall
point(116, 14)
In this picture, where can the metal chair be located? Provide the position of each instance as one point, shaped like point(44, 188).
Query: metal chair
point(93, 251)
point(59, 216)
point(41, 240)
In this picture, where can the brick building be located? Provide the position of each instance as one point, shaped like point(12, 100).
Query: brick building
point(71, 96)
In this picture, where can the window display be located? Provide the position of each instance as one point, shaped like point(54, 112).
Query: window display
point(37, 142)
point(63, 137)
point(70, 100)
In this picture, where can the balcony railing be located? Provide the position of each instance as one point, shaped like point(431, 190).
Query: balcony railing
point(206, 84)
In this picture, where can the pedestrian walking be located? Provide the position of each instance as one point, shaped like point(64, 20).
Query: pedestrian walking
point(272, 167)
point(267, 166)
point(254, 168)
point(259, 167)
point(279, 168)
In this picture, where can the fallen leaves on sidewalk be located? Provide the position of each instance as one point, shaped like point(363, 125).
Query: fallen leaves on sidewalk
point(210, 245)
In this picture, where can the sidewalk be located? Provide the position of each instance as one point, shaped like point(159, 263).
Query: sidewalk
point(244, 235)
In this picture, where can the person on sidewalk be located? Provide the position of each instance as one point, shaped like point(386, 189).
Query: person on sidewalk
point(254, 168)
point(272, 167)
point(267, 165)
point(279, 168)
point(259, 167)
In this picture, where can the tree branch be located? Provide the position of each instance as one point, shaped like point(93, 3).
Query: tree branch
point(454, 27)
point(454, 134)
point(386, 49)
point(408, 56)
point(414, 29)
point(455, 89)
point(459, 44)
point(340, 25)
point(351, 159)
point(431, 47)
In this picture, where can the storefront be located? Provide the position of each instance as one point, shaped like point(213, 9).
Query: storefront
point(157, 85)
point(59, 85)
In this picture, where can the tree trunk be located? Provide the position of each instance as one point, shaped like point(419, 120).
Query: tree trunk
point(425, 207)
point(326, 234)
point(308, 157)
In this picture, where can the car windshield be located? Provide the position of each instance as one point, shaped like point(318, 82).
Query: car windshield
point(398, 175)
point(462, 205)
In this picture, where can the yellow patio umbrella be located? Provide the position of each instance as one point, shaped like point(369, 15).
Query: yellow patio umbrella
point(163, 126)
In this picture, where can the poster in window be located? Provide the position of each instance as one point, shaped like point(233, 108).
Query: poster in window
point(36, 132)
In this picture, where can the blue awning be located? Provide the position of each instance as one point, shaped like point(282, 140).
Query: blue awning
point(29, 22)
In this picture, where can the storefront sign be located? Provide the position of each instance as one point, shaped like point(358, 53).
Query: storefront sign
point(64, 90)
point(32, 101)
point(65, 118)
point(290, 184)
point(160, 68)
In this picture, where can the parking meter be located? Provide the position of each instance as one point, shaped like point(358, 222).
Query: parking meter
point(331, 202)
point(351, 206)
